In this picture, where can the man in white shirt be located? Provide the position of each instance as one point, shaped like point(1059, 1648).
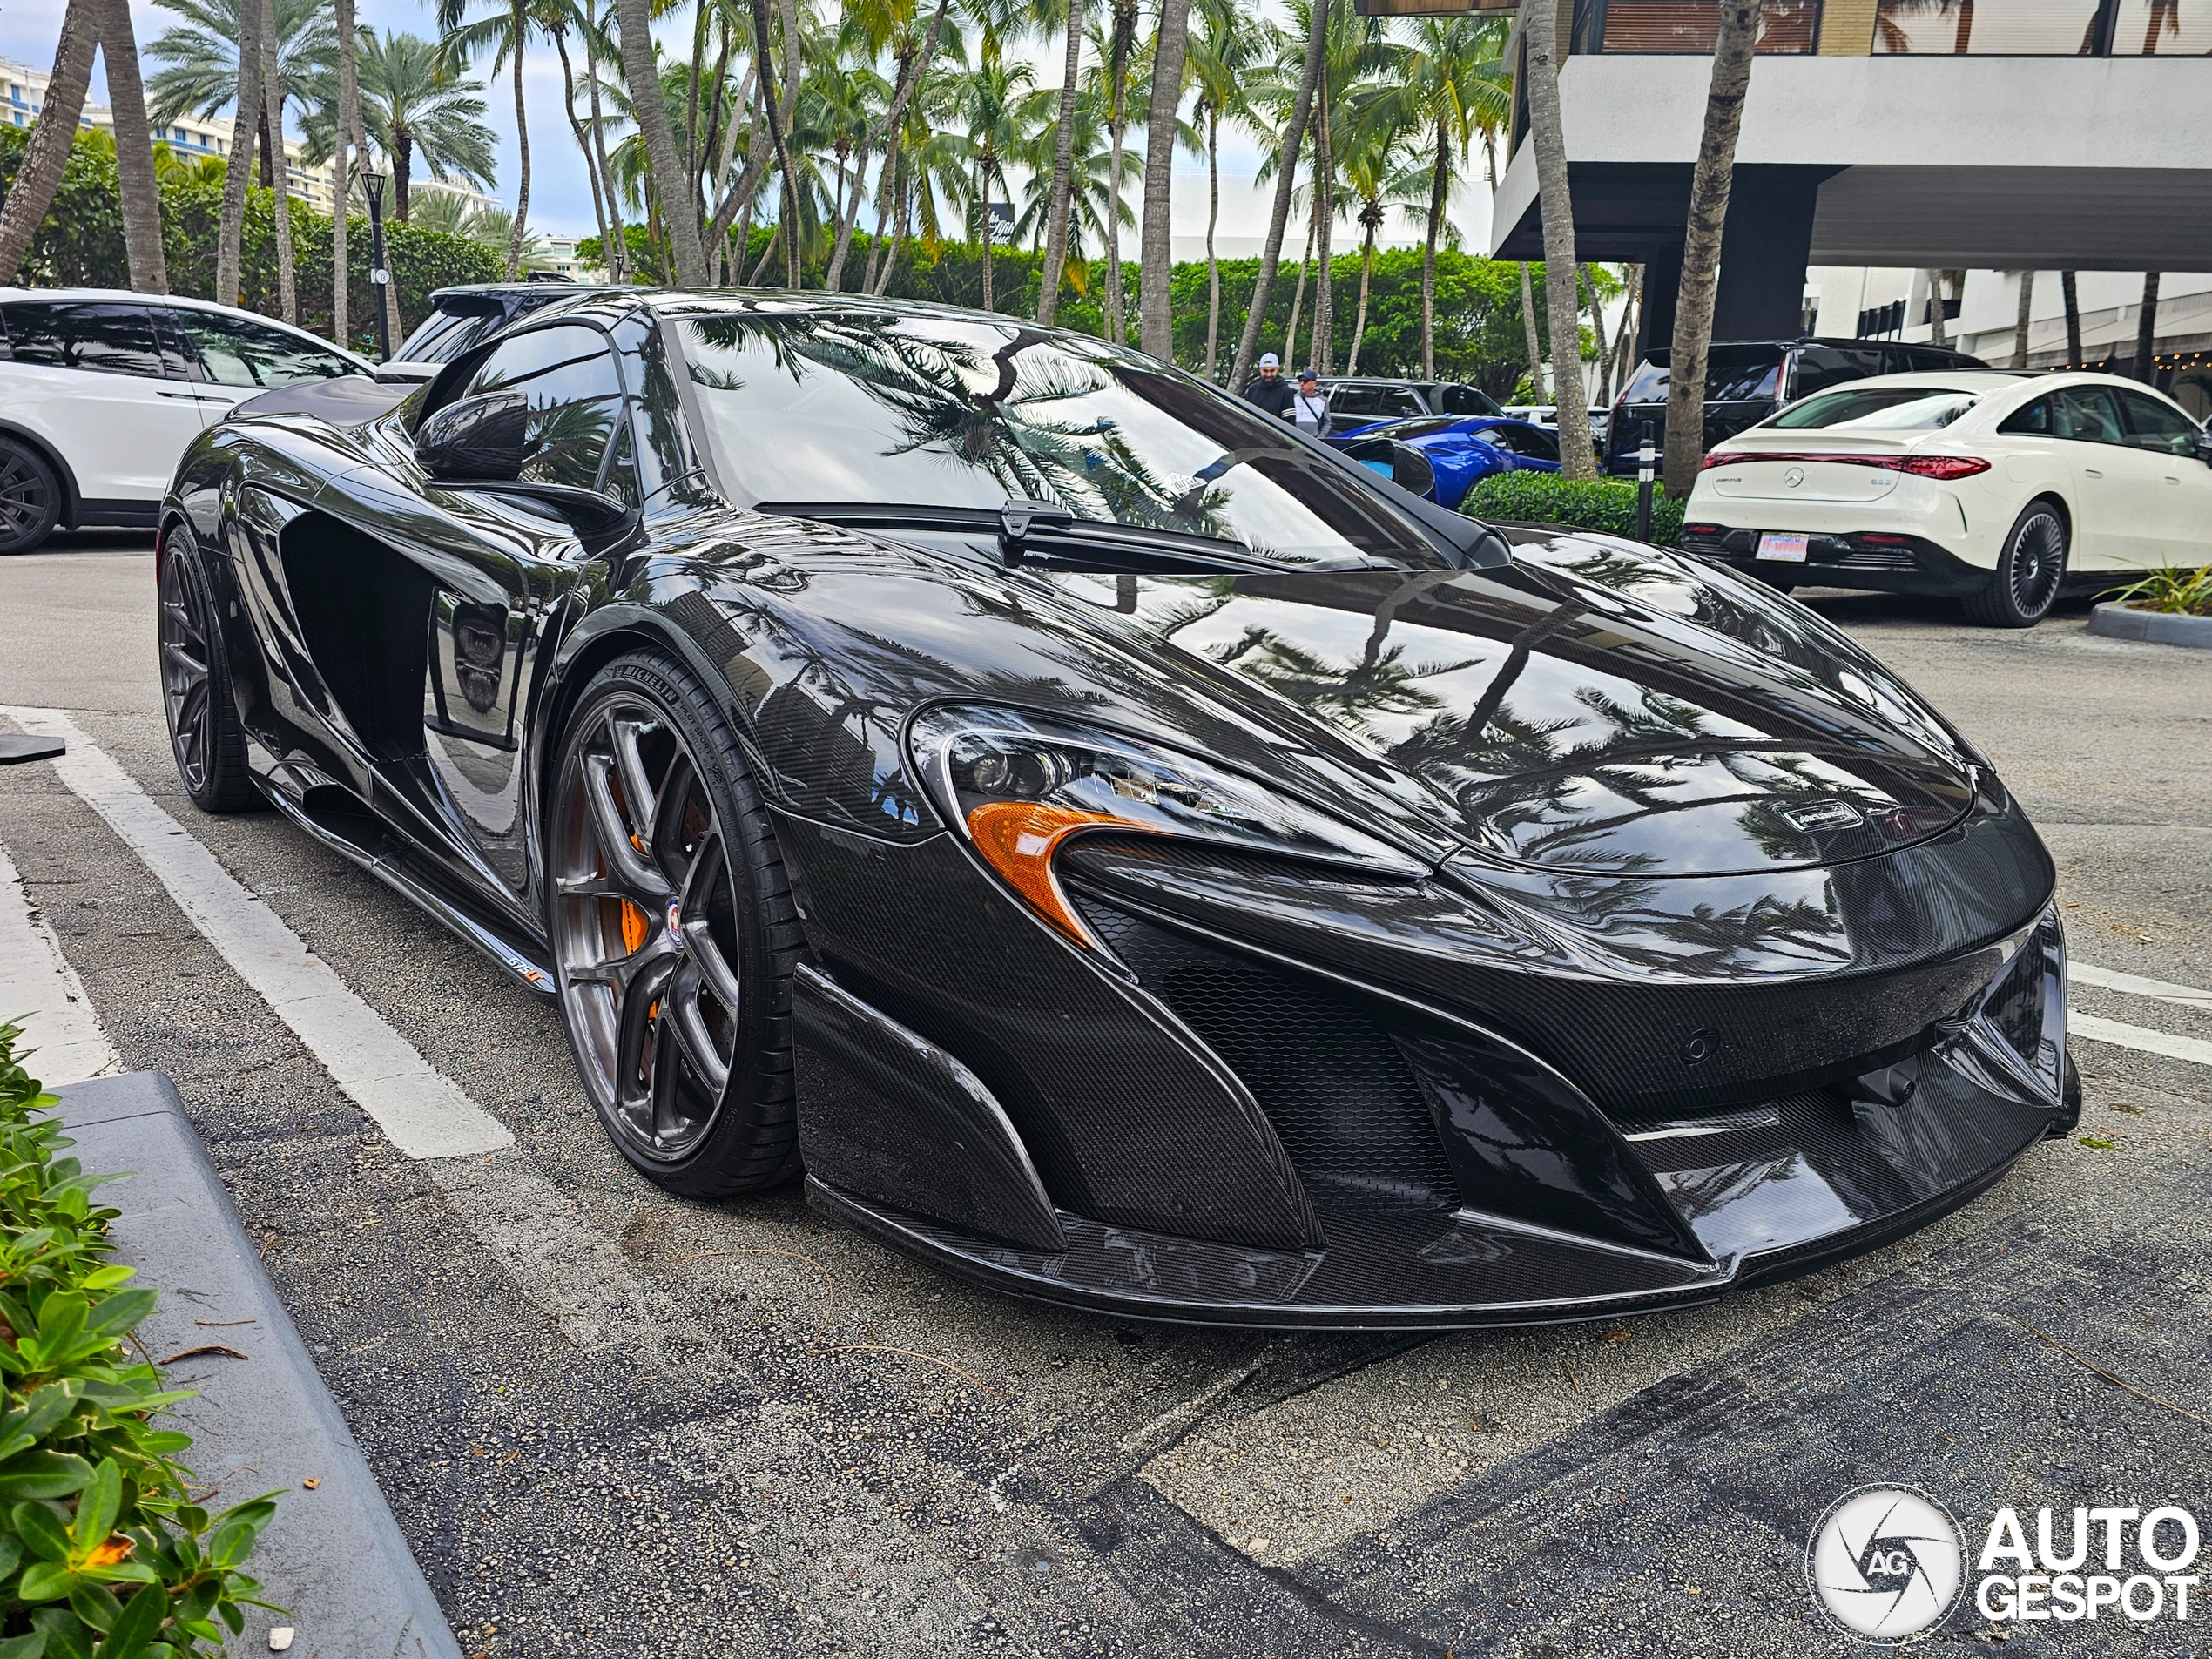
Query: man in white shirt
point(1309, 408)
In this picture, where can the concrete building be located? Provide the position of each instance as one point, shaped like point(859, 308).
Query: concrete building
point(1883, 133)
point(22, 94)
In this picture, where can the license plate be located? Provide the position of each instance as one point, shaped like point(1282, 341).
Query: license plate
point(1775, 546)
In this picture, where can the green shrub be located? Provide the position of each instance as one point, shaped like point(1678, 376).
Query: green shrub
point(102, 1554)
point(2176, 591)
point(1607, 504)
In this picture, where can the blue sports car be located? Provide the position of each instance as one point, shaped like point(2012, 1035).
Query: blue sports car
point(1459, 451)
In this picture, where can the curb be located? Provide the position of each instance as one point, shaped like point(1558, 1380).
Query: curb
point(2157, 627)
point(333, 1556)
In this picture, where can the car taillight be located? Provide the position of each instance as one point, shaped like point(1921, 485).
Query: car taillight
point(1944, 466)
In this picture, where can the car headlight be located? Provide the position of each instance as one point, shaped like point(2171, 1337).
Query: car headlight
point(1019, 786)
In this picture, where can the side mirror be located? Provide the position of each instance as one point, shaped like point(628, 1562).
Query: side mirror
point(478, 440)
point(2204, 446)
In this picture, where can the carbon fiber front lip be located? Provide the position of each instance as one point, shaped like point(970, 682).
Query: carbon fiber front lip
point(983, 1261)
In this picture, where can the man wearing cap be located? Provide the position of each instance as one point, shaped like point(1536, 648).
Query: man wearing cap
point(1309, 407)
point(1271, 391)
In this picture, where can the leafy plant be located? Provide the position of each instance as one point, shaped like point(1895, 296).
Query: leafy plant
point(103, 1553)
point(1604, 504)
point(2175, 589)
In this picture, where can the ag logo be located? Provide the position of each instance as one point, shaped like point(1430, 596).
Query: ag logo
point(1887, 1563)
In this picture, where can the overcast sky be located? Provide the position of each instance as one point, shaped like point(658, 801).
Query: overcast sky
point(561, 198)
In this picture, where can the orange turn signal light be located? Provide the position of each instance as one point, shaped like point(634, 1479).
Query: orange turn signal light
point(1018, 837)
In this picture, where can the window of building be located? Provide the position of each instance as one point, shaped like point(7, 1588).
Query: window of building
point(1693, 25)
point(2161, 28)
point(2015, 28)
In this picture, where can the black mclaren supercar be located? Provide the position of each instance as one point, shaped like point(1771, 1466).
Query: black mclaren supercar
point(1121, 850)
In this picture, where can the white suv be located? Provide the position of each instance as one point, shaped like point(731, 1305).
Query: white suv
point(100, 391)
point(1999, 489)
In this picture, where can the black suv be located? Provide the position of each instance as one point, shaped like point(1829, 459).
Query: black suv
point(461, 317)
point(1748, 380)
point(1369, 398)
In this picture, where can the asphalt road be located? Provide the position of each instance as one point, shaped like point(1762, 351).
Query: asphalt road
point(614, 1423)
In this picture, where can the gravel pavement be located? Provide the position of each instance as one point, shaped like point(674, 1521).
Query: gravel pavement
point(614, 1423)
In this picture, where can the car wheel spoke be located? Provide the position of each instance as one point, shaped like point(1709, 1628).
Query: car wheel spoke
point(622, 860)
point(687, 1021)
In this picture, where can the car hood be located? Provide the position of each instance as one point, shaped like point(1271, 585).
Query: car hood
point(1602, 708)
point(1596, 707)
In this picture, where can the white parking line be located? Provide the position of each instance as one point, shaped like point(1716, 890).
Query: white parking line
point(40, 991)
point(423, 1112)
point(2186, 996)
point(2136, 1036)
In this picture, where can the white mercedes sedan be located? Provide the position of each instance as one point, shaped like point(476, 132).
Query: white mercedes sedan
point(2000, 489)
point(101, 389)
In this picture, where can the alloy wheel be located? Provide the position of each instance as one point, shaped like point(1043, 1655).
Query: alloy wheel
point(644, 926)
point(185, 682)
point(2039, 564)
point(24, 500)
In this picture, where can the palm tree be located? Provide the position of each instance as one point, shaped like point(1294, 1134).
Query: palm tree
point(640, 70)
point(40, 175)
point(1091, 196)
point(273, 149)
point(133, 150)
point(1453, 87)
point(417, 110)
point(1061, 194)
point(506, 30)
point(1270, 255)
point(1156, 317)
point(1540, 40)
point(1372, 173)
point(231, 231)
point(199, 58)
point(1225, 49)
point(990, 102)
point(348, 117)
point(1701, 254)
point(1121, 44)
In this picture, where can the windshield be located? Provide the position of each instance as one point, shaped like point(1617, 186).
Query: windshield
point(1733, 375)
point(866, 408)
point(1878, 408)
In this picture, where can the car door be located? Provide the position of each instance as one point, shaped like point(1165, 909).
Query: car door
point(2181, 502)
point(237, 358)
point(90, 377)
point(2117, 485)
point(485, 651)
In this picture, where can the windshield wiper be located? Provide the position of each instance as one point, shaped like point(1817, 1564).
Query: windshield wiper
point(1045, 532)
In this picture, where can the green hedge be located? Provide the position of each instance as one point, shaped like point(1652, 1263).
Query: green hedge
point(1605, 504)
point(80, 243)
point(102, 1554)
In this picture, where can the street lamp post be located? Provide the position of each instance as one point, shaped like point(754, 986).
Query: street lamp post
point(380, 274)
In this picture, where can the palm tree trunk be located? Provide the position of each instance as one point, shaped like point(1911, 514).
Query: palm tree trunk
point(1701, 254)
point(983, 224)
point(1597, 331)
point(2066, 287)
point(52, 136)
point(1936, 335)
point(1625, 335)
point(403, 171)
point(1156, 267)
point(1063, 171)
point(342, 170)
point(618, 243)
point(1535, 340)
point(901, 182)
point(273, 86)
point(787, 212)
point(1213, 265)
point(133, 152)
point(1297, 299)
point(1116, 127)
point(1322, 357)
point(1439, 186)
point(583, 145)
point(1541, 27)
point(2147, 332)
point(794, 66)
point(238, 169)
point(2020, 323)
point(689, 251)
point(522, 145)
point(1359, 322)
point(1270, 254)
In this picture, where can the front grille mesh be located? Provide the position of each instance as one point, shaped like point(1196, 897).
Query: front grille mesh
point(1329, 1078)
point(2016, 1007)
